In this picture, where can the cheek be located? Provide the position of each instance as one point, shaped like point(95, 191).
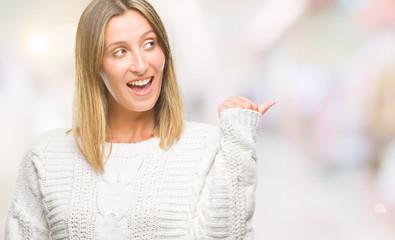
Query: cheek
point(158, 60)
point(113, 71)
point(112, 76)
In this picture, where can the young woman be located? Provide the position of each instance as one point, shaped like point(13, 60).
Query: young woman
point(131, 167)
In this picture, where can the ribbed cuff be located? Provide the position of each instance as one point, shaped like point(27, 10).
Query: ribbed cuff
point(245, 117)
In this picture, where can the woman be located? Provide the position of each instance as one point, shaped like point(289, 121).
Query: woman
point(131, 167)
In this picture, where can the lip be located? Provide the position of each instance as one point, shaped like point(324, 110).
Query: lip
point(148, 91)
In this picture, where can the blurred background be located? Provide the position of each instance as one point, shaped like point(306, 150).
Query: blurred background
point(327, 148)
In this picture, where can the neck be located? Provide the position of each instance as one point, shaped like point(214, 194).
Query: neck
point(131, 127)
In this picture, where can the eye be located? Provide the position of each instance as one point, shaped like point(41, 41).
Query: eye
point(119, 53)
point(149, 45)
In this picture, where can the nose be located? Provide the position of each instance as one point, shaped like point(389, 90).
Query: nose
point(138, 64)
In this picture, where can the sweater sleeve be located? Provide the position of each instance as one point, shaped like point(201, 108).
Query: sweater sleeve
point(26, 218)
point(227, 199)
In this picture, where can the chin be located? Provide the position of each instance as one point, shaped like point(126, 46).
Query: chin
point(142, 108)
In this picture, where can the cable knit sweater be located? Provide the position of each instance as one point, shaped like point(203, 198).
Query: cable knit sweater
point(201, 188)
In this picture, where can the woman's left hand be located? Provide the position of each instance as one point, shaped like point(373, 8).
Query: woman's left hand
point(244, 103)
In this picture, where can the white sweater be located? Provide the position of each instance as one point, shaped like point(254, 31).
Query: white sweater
point(201, 188)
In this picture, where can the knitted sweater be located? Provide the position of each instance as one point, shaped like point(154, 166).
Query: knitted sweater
point(201, 188)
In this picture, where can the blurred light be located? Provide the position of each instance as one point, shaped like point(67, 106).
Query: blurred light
point(62, 39)
point(38, 43)
point(354, 6)
point(272, 21)
point(380, 208)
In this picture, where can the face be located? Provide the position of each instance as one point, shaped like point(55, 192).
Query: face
point(133, 63)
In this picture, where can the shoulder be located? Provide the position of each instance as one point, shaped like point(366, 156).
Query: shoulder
point(59, 138)
point(49, 146)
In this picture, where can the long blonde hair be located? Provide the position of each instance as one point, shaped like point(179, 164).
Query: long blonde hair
point(91, 125)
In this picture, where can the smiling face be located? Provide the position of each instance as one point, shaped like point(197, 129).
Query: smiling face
point(133, 63)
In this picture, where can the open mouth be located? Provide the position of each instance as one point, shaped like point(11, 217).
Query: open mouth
point(141, 87)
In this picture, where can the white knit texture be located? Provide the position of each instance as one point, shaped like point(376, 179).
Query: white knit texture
point(201, 188)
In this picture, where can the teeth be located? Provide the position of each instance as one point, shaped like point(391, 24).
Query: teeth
point(139, 82)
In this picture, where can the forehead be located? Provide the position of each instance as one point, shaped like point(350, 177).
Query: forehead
point(130, 24)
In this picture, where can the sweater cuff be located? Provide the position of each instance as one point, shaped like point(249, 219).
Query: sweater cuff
point(247, 118)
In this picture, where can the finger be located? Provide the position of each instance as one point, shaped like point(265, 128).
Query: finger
point(244, 104)
point(230, 104)
point(240, 103)
point(265, 106)
point(253, 104)
point(225, 105)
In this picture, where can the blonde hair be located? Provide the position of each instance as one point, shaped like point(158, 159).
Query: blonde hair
point(91, 125)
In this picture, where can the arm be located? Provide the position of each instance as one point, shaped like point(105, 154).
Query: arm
point(26, 218)
point(226, 203)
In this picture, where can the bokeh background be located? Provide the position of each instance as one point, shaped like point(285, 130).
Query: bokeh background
point(327, 148)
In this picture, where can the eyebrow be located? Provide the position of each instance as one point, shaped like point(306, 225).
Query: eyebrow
point(123, 42)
